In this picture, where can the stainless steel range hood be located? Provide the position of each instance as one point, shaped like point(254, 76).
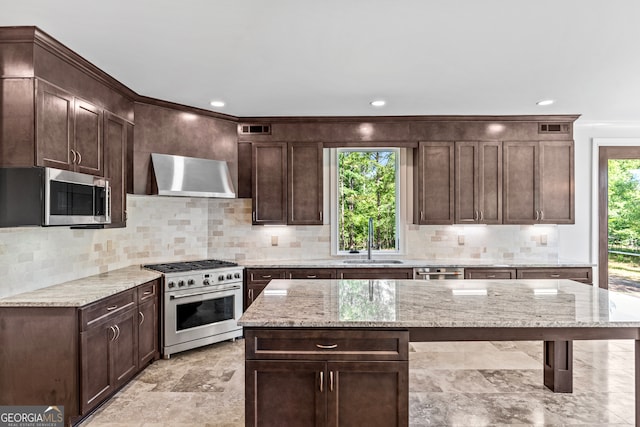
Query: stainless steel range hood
point(191, 177)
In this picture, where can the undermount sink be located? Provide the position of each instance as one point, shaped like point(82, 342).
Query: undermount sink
point(372, 261)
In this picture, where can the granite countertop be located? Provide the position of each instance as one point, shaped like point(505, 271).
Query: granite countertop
point(409, 263)
point(77, 293)
point(442, 303)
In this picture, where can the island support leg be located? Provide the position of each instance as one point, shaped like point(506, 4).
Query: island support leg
point(558, 366)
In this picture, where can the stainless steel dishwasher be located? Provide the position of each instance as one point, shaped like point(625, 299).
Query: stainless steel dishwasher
point(438, 273)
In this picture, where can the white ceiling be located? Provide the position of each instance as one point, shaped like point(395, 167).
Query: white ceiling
point(332, 57)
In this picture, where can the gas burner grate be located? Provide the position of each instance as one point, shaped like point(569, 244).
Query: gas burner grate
point(181, 267)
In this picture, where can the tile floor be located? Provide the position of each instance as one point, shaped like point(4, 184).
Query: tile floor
point(450, 384)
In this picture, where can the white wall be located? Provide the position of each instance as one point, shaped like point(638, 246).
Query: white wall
point(579, 241)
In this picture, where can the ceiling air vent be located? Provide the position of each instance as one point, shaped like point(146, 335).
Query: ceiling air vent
point(255, 129)
point(554, 127)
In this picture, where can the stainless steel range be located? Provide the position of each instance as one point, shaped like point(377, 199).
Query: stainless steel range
point(202, 303)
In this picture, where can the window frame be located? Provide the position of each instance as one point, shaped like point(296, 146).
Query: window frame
point(333, 199)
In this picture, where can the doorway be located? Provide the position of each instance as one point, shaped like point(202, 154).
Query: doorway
point(619, 218)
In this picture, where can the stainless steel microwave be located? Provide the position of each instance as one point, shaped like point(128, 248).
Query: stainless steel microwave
point(48, 197)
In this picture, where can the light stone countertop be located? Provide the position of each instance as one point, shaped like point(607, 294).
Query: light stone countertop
point(441, 303)
point(77, 293)
point(410, 263)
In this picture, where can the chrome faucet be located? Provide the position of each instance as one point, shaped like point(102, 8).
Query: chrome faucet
point(370, 239)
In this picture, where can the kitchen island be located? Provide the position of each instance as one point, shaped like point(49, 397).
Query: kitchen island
point(335, 352)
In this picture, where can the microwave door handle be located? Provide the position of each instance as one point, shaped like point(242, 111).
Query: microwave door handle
point(107, 202)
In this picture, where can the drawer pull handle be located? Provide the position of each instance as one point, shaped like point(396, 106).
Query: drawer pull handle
point(554, 275)
point(327, 347)
point(118, 330)
point(311, 277)
point(491, 276)
point(321, 380)
point(114, 333)
point(266, 277)
point(330, 380)
point(113, 307)
point(141, 317)
point(147, 293)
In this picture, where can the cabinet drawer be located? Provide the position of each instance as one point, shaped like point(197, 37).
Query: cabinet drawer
point(489, 273)
point(311, 273)
point(264, 275)
point(578, 274)
point(326, 344)
point(106, 308)
point(148, 291)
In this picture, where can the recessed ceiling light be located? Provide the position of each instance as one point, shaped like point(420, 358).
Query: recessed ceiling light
point(378, 103)
point(217, 103)
point(545, 102)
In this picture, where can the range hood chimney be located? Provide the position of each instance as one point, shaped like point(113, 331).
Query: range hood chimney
point(191, 177)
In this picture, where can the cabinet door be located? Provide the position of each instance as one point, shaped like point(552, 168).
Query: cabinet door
point(466, 182)
point(95, 383)
point(54, 127)
point(300, 387)
point(490, 182)
point(304, 167)
point(520, 182)
point(435, 183)
point(147, 332)
point(368, 394)
point(88, 138)
point(253, 290)
point(115, 145)
point(375, 273)
point(556, 182)
point(269, 191)
point(124, 349)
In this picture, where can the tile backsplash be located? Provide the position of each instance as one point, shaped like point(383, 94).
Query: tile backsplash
point(176, 228)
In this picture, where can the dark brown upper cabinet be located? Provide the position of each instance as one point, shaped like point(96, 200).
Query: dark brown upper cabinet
point(538, 182)
point(116, 131)
point(68, 131)
point(304, 184)
point(287, 183)
point(478, 182)
point(269, 183)
point(434, 182)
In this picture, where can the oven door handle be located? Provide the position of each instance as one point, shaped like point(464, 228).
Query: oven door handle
point(232, 288)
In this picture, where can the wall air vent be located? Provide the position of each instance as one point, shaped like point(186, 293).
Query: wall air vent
point(255, 129)
point(554, 128)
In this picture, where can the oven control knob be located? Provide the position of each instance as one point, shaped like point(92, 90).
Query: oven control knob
point(191, 282)
point(171, 285)
point(221, 277)
point(236, 275)
point(181, 283)
point(206, 282)
point(229, 276)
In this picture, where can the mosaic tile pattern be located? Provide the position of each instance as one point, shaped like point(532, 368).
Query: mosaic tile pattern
point(463, 384)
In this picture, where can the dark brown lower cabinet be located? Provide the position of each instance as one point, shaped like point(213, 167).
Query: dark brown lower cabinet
point(77, 357)
point(360, 379)
point(109, 357)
